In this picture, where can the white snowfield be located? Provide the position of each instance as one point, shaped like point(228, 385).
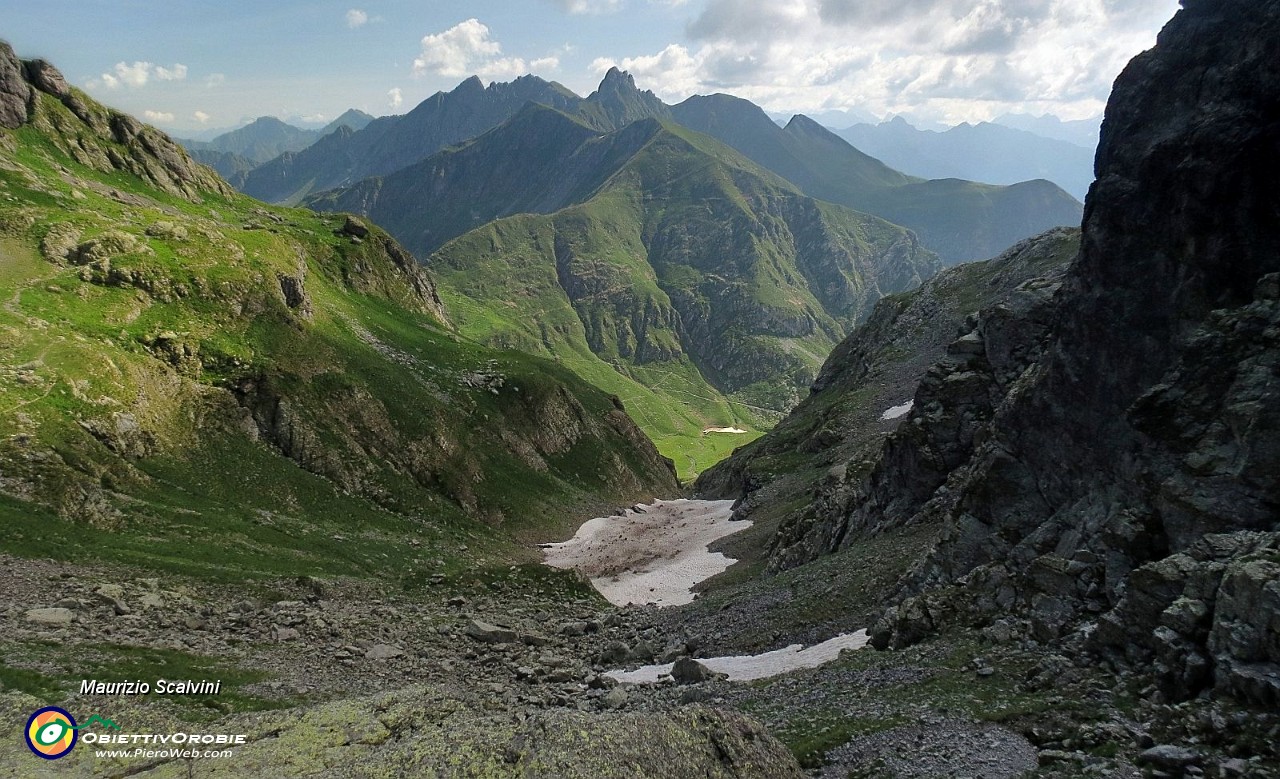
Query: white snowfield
point(897, 412)
point(656, 554)
point(651, 556)
point(745, 668)
point(734, 430)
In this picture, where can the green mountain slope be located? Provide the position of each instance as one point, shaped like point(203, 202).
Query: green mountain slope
point(655, 262)
point(193, 382)
point(960, 220)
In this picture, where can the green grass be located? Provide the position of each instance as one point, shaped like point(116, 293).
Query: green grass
point(66, 667)
point(376, 440)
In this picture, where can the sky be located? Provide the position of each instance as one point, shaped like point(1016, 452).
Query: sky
point(191, 66)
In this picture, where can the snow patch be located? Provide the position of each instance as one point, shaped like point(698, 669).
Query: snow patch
point(897, 412)
point(652, 556)
point(745, 668)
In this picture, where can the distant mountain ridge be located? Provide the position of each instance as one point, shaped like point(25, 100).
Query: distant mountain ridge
point(987, 152)
point(235, 153)
point(959, 220)
point(393, 142)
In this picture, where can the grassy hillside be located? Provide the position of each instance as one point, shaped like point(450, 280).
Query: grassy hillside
point(658, 263)
point(191, 381)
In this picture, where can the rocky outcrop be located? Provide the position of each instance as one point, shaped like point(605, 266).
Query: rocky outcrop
point(114, 142)
point(1205, 617)
point(47, 78)
point(15, 92)
point(927, 351)
point(1121, 435)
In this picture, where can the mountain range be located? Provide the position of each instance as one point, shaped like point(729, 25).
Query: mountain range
point(985, 151)
point(696, 260)
point(958, 220)
point(235, 153)
point(267, 445)
point(659, 263)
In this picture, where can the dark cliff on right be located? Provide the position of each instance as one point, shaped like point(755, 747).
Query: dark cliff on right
point(1104, 466)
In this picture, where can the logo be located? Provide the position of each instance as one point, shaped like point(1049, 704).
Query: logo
point(51, 732)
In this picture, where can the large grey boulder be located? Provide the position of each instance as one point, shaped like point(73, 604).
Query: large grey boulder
point(54, 617)
point(490, 634)
point(46, 78)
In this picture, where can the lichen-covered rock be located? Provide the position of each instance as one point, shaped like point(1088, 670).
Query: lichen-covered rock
point(413, 732)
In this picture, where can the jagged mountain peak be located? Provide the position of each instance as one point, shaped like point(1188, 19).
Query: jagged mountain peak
point(618, 102)
point(472, 84)
point(615, 79)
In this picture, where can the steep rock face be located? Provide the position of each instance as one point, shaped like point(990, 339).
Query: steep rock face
point(15, 92)
point(1150, 421)
point(920, 381)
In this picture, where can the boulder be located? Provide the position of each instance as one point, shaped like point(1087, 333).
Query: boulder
point(55, 617)
point(383, 652)
point(1169, 757)
point(686, 670)
point(615, 652)
point(355, 228)
point(490, 634)
point(46, 78)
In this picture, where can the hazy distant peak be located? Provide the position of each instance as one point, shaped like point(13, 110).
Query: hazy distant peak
point(802, 123)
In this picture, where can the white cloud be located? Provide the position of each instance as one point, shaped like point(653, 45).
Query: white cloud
point(201, 117)
point(357, 18)
point(215, 80)
point(395, 98)
point(134, 75)
point(545, 63)
point(177, 73)
point(137, 75)
point(464, 49)
point(158, 116)
point(948, 60)
point(590, 6)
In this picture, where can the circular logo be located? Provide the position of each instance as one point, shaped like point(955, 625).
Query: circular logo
point(51, 732)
